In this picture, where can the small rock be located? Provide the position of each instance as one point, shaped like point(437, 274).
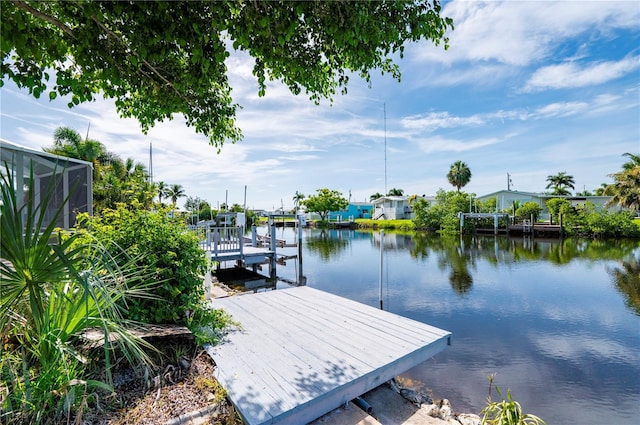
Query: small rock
point(469, 419)
point(426, 398)
point(445, 410)
point(411, 395)
point(184, 363)
point(432, 410)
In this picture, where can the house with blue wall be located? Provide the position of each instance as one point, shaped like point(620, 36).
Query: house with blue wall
point(354, 210)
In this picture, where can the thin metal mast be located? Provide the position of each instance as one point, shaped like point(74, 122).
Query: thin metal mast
point(385, 147)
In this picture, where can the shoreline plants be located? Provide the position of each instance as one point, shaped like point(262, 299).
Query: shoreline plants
point(50, 294)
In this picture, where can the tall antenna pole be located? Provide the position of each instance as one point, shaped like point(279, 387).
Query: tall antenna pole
point(150, 163)
point(385, 146)
point(88, 127)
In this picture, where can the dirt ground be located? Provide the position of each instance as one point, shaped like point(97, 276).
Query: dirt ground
point(181, 386)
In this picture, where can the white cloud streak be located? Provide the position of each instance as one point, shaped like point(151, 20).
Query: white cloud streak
point(572, 75)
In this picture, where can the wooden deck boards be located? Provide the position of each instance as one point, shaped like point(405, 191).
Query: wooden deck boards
point(301, 352)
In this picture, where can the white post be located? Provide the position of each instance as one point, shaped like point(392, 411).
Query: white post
point(381, 267)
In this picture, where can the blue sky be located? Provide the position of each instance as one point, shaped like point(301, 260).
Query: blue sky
point(526, 88)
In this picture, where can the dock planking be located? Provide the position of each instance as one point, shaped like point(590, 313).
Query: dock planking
point(300, 353)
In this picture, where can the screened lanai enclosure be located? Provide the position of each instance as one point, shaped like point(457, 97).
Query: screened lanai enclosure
point(64, 177)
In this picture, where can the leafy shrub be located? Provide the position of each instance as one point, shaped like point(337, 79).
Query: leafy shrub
point(557, 206)
point(166, 248)
point(611, 225)
point(442, 217)
point(528, 209)
point(50, 294)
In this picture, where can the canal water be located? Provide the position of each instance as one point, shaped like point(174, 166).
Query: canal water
point(557, 322)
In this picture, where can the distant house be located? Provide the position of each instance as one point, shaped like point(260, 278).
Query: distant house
point(397, 207)
point(354, 210)
point(505, 198)
point(392, 208)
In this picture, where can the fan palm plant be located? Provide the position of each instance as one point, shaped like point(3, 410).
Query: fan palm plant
point(459, 175)
point(52, 290)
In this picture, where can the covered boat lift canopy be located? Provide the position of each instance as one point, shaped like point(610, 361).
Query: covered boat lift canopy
point(72, 178)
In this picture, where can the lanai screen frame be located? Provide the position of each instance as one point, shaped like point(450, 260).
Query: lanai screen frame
point(70, 174)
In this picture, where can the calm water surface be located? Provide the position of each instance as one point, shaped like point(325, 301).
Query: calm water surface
point(557, 322)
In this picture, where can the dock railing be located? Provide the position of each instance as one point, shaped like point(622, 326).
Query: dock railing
point(226, 239)
point(220, 239)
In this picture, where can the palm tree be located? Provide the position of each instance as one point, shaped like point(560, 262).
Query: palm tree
point(600, 191)
point(395, 192)
point(296, 200)
point(175, 192)
point(375, 196)
point(162, 190)
point(459, 174)
point(625, 190)
point(560, 182)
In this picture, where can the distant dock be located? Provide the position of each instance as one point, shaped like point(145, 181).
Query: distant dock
point(300, 353)
point(225, 244)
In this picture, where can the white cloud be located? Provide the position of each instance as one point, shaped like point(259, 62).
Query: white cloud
point(435, 120)
point(560, 109)
point(520, 33)
point(572, 75)
point(442, 144)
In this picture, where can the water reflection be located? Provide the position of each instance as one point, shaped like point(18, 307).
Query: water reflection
point(627, 280)
point(328, 244)
point(546, 315)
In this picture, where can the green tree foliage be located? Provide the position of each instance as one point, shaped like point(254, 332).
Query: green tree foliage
point(165, 248)
point(529, 209)
point(625, 190)
point(375, 196)
point(441, 217)
point(161, 188)
point(561, 183)
point(175, 192)
point(160, 58)
point(587, 220)
point(395, 192)
point(488, 206)
point(114, 180)
point(297, 198)
point(325, 201)
point(557, 206)
point(459, 174)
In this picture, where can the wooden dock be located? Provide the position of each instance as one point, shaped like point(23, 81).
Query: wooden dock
point(300, 353)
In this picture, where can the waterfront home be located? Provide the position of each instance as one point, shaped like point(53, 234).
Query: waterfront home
point(72, 177)
point(505, 199)
point(397, 207)
point(392, 208)
point(354, 210)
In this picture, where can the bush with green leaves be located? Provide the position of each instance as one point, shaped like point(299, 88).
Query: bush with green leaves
point(605, 224)
point(442, 216)
point(165, 247)
point(557, 207)
point(529, 209)
point(50, 294)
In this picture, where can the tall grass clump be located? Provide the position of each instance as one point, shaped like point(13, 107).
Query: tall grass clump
point(506, 411)
point(51, 292)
